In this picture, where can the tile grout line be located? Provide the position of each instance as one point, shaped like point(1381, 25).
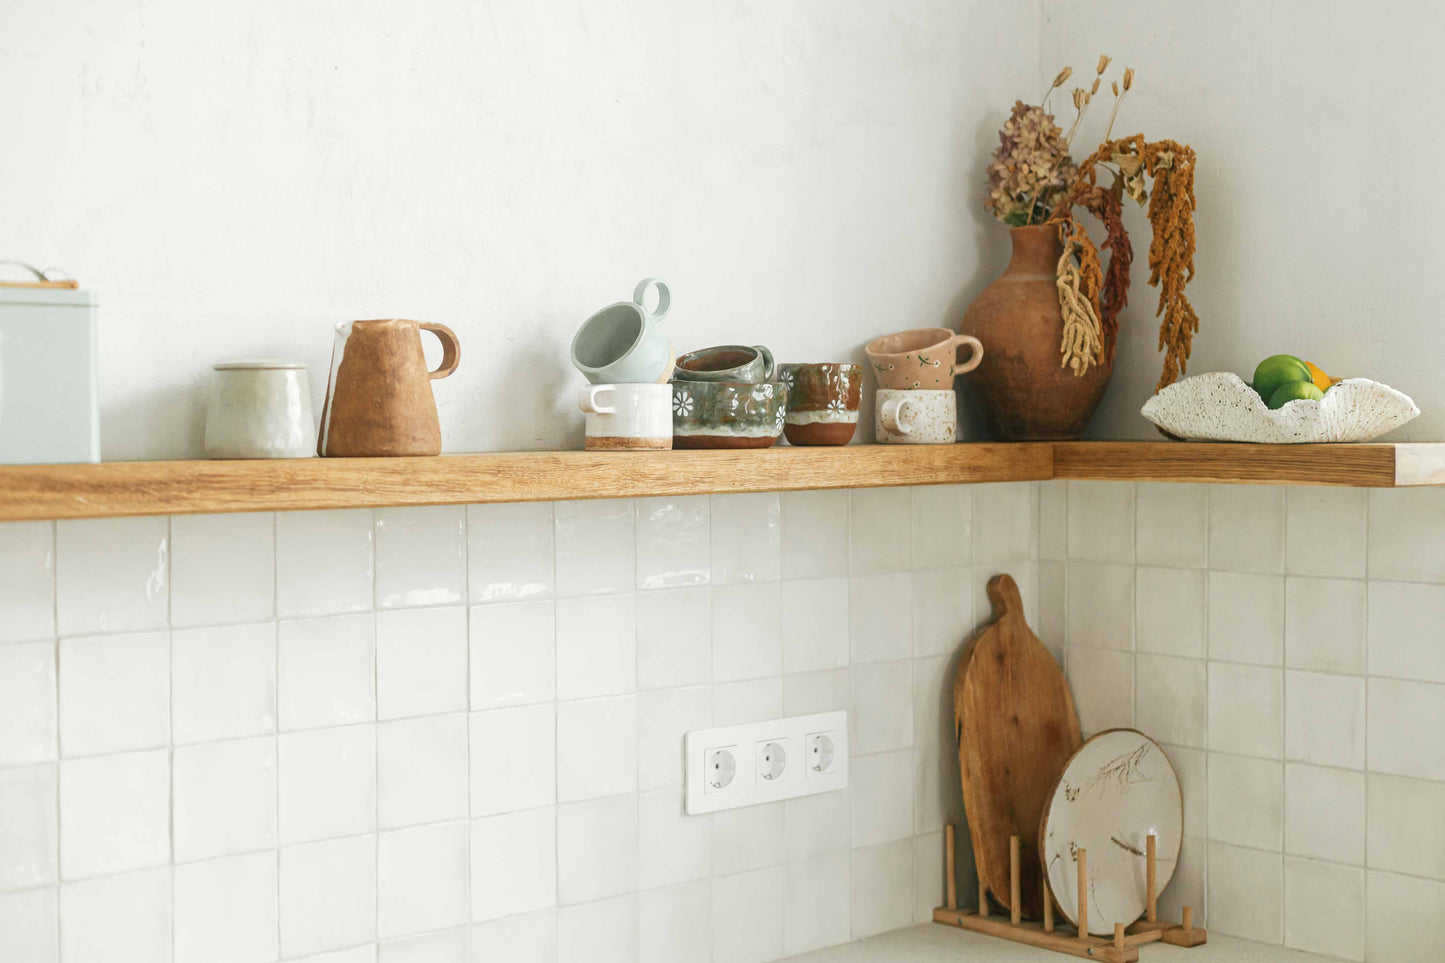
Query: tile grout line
point(275, 736)
point(1365, 808)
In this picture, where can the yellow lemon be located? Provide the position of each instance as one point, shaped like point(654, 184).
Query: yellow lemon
point(1317, 375)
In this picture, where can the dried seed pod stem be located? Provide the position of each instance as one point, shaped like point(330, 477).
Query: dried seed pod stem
point(1059, 80)
point(1081, 104)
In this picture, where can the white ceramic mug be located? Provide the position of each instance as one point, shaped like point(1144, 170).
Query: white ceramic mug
point(260, 409)
point(622, 343)
point(916, 417)
point(627, 417)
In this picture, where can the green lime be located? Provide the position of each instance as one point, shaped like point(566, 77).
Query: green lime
point(1294, 391)
point(1275, 371)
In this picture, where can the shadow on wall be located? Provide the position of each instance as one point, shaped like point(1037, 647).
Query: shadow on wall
point(175, 412)
point(988, 238)
point(530, 405)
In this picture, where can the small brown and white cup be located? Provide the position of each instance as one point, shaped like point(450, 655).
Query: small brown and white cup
point(916, 417)
point(627, 417)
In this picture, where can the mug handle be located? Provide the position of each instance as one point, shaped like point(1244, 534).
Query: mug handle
point(767, 357)
point(587, 400)
point(664, 297)
point(893, 416)
point(974, 357)
point(451, 348)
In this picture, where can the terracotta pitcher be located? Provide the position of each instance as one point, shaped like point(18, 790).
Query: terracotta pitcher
point(1026, 394)
point(378, 397)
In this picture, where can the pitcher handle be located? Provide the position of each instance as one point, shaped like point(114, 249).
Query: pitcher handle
point(974, 357)
point(664, 297)
point(451, 348)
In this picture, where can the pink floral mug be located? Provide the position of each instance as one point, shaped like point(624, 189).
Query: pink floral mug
point(924, 358)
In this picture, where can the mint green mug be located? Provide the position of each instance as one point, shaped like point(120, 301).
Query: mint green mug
point(622, 343)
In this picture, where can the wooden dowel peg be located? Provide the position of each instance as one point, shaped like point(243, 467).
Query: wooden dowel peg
point(1187, 919)
point(1152, 910)
point(1048, 909)
point(1118, 936)
point(1015, 910)
point(950, 884)
point(1083, 873)
point(982, 897)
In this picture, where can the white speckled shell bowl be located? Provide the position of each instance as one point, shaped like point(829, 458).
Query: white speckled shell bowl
point(1219, 406)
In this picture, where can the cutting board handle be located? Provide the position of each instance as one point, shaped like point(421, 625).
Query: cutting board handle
point(1003, 592)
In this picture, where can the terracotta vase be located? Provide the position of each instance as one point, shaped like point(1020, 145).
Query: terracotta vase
point(1025, 393)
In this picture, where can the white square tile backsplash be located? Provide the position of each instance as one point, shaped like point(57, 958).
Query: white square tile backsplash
point(421, 661)
point(27, 581)
point(421, 556)
point(327, 895)
point(114, 693)
point(510, 555)
point(223, 568)
point(27, 703)
point(28, 836)
point(223, 682)
point(326, 671)
point(226, 909)
point(1318, 656)
point(534, 666)
point(225, 800)
point(114, 813)
point(327, 783)
point(112, 575)
point(324, 562)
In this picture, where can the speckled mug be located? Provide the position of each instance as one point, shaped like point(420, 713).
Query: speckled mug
point(822, 402)
point(908, 417)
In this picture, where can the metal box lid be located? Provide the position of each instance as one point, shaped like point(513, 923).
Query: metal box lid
point(54, 297)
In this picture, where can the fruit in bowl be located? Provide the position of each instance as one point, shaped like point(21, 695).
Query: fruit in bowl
point(1282, 378)
point(1290, 401)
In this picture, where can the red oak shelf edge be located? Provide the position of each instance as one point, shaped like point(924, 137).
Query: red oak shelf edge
point(113, 489)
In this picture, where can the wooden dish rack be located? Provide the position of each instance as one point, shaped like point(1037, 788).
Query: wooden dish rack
point(1123, 948)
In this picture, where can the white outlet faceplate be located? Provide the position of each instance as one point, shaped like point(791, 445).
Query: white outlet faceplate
point(760, 762)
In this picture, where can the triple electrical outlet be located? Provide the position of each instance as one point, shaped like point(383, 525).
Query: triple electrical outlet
point(761, 762)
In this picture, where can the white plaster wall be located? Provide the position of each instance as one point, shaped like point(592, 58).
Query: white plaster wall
point(234, 178)
point(1319, 194)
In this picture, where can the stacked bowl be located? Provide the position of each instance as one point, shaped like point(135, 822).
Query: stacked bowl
point(724, 397)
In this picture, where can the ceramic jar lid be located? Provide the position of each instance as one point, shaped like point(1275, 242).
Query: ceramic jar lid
point(257, 364)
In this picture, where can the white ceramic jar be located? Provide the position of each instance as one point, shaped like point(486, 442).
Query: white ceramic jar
point(260, 409)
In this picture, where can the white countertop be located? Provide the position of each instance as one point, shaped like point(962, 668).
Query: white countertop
point(937, 943)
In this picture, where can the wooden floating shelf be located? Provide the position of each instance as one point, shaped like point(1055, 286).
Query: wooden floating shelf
point(188, 487)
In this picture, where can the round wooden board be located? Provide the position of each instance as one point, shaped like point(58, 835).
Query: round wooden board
point(1017, 727)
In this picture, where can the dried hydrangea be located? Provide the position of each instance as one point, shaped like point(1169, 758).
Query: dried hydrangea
point(1030, 168)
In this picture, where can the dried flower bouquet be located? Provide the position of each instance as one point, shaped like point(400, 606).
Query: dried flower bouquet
point(1034, 180)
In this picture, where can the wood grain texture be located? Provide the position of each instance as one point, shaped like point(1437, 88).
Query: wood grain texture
point(1017, 727)
point(1360, 466)
point(188, 487)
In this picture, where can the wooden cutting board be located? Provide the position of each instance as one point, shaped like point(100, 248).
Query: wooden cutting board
point(1017, 728)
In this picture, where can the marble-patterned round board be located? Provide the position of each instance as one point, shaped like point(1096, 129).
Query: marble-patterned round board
point(1114, 791)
